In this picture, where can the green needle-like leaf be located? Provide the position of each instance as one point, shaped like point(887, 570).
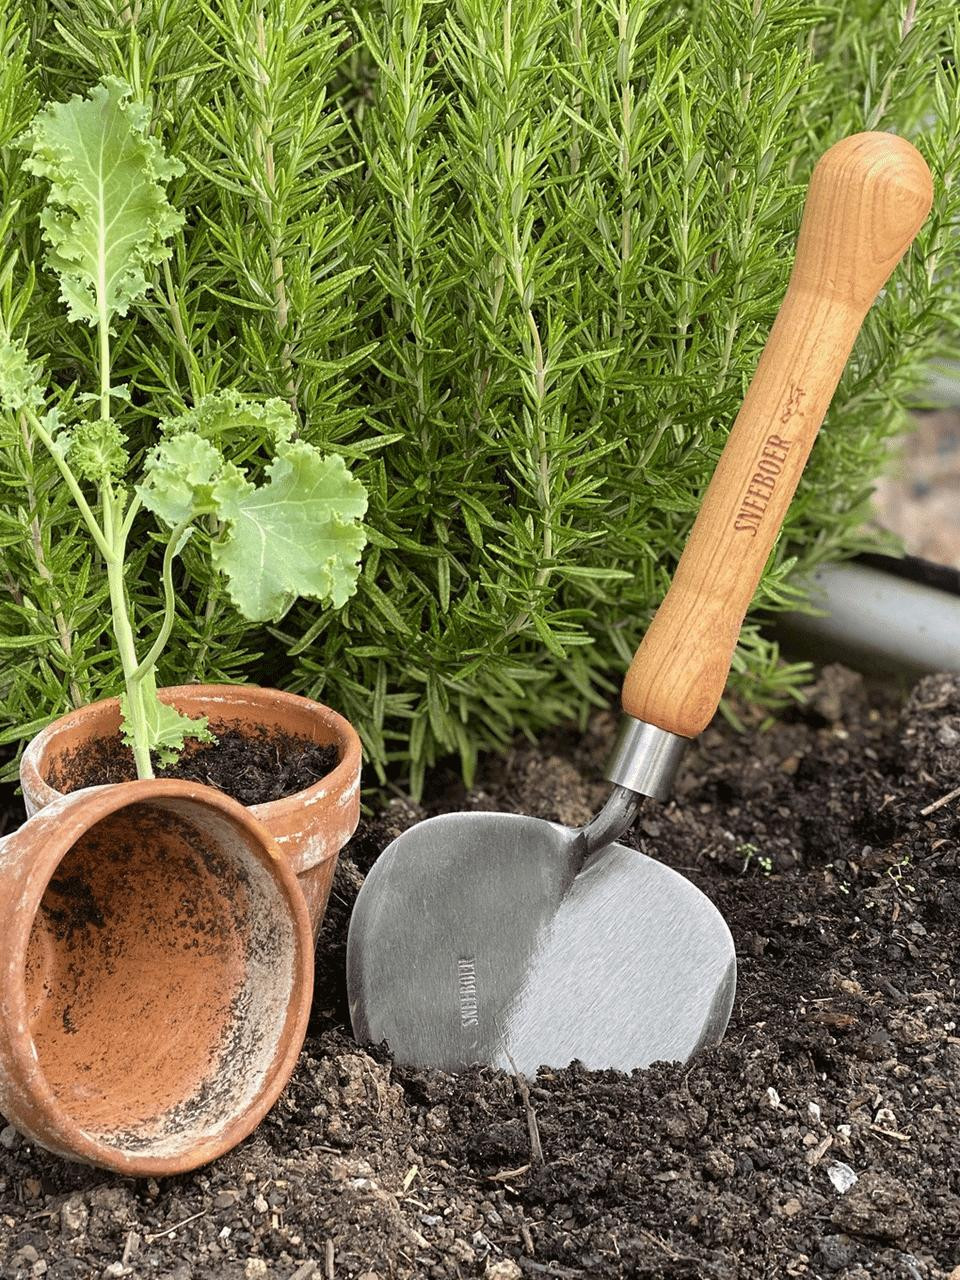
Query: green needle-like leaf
point(515, 261)
point(107, 218)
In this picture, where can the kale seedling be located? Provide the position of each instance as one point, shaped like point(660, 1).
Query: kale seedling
point(108, 222)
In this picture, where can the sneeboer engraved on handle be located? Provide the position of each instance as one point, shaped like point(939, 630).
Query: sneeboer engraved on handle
point(769, 468)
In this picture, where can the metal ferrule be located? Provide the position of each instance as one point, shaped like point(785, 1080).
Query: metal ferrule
point(645, 759)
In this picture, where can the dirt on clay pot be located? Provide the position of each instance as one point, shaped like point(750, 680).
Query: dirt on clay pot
point(842, 1059)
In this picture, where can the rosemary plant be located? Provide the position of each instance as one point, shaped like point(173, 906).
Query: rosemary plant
point(515, 260)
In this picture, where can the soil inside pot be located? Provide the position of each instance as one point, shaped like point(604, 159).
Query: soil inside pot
point(842, 1059)
point(252, 768)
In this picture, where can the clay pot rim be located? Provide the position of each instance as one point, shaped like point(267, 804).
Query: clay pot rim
point(338, 780)
point(68, 818)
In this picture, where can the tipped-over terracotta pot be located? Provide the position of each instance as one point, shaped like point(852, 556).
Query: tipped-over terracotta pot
point(156, 971)
point(311, 826)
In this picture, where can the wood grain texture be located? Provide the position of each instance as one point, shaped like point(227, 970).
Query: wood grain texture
point(868, 197)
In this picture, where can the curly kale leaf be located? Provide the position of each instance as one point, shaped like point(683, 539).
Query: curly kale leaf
point(296, 534)
point(19, 377)
point(167, 728)
point(225, 418)
point(97, 451)
point(107, 219)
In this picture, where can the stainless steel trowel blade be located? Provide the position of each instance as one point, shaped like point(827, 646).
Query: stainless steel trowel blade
point(481, 937)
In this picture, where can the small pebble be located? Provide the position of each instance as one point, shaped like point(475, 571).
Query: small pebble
point(462, 1252)
point(74, 1216)
point(480, 1243)
point(255, 1269)
point(505, 1269)
point(719, 1165)
point(9, 1138)
point(842, 1176)
point(837, 1252)
point(438, 1118)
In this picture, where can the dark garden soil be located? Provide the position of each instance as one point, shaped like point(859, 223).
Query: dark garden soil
point(253, 769)
point(842, 1060)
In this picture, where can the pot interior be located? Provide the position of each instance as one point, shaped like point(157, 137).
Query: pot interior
point(159, 975)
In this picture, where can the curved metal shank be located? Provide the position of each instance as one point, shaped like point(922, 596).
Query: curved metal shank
point(616, 817)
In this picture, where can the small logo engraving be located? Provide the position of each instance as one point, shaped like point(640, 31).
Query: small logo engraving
point(467, 986)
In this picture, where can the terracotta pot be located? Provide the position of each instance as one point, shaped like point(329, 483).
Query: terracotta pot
point(311, 827)
point(156, 971)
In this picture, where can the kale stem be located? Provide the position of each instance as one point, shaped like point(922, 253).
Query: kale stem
point(128, 519)
point(175, 545)
point(104, 329)
point(136, 716)
point(115, 532)
point(98, 535)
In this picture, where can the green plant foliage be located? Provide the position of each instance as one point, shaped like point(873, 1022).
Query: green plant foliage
point(515, 260)
point(106, 216)
point(106, 220)
point(296, 535)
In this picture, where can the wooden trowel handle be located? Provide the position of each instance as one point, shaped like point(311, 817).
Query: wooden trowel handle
point(868, 197)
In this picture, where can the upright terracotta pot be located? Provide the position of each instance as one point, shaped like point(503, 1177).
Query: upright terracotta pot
point(311, 827)
point(156, 971)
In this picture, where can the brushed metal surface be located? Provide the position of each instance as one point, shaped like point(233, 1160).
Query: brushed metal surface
point(474, 939)
point(645, 758)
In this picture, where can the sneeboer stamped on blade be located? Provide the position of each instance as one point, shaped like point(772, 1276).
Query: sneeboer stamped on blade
point(512, 979)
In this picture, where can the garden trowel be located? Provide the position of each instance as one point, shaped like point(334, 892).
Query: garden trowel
point(502, 939)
